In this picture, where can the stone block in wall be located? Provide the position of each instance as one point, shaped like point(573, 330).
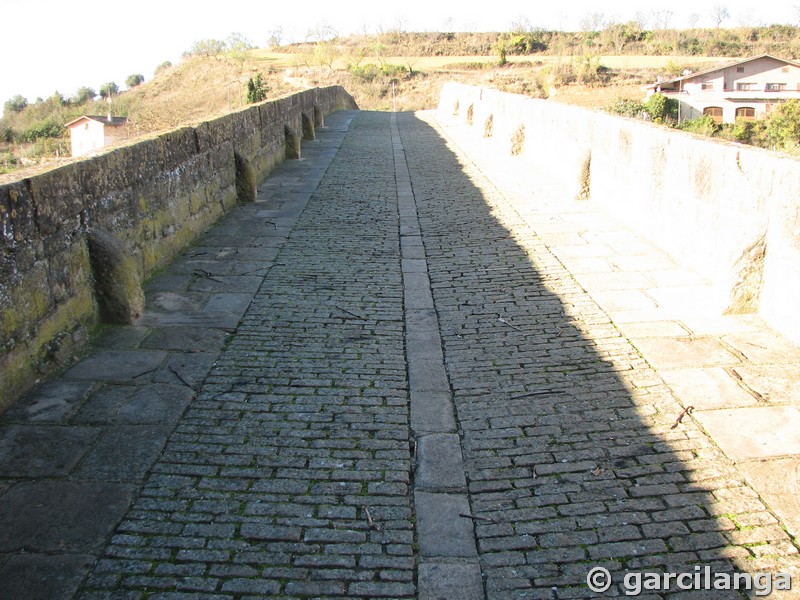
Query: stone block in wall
point(18, 229)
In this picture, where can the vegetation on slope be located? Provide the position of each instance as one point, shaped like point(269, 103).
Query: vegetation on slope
point(394, 69)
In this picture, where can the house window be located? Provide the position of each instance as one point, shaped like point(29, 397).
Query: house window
point(740, 69)
point(708, 85)
point(746, 113)
point(745, 87)
point(776, 87)
point(715, 112)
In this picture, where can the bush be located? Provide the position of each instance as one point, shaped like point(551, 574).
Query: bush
point(782, 127)
point(84, 94)
point(256, 89)
point(627, 107)
point(133, 80)
point(704, 125)
point(162, 67)
point(45, 129)
point(16, 104)
point(661, 108)
point(107, 90)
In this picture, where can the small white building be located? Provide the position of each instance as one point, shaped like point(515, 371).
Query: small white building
point(747, 89)
point(90, 132)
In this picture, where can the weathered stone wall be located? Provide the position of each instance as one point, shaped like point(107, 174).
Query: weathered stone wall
point(139, 205)
point(729, 211)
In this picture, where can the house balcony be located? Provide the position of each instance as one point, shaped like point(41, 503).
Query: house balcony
point(753, 94)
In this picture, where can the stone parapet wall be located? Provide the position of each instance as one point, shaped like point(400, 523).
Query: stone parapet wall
point(122, 215)
point(729, 211)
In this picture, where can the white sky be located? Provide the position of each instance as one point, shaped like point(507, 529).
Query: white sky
point(49, 45)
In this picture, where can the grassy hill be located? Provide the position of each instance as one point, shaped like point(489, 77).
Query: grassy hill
point(395, 69)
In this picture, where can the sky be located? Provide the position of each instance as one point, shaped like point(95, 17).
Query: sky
point(48, 45)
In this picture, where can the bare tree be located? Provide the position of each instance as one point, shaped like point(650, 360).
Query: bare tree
point(719, 13)
point(693, 19)
point(661, 18)
point(592, 22)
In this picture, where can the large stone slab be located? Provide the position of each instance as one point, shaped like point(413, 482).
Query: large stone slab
point(120, 404)
point(52, 402)
point(123, 453)
point(777, 481)
point(61, 516)
point(441, 529)
point(707, 389)
point(43, 577)
point(442, 581)
point(118, 365)
point(753, 433)
point(440, 466)
point(670, 353)
point(41, 451)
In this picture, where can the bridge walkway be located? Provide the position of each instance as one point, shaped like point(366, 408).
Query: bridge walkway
point(394, 376)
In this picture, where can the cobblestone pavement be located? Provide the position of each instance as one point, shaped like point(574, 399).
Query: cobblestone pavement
point(380, 380)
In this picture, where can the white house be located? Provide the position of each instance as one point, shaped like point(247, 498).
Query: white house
point(90, 132)
point(747, 89)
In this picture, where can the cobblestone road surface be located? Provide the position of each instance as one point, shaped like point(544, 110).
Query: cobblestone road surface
point(419, 402)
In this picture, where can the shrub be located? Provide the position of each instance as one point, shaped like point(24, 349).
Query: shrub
point(661, 108)
point(162, 67)
point(256, 89)
point(627, 107)
point(133, 80)
point(45, 129)
point(84, 94)
point(704, 125)
point(782, 126)
point(16, 104)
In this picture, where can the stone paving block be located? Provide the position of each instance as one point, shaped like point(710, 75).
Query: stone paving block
point(441, 580)
point(775, 383)
point(441, 529)
point(118, 365)
point(440, 466)
point(765, 347)
point(123, 453)
point(61, 516)
point(668, 353)
point(752, 433)
point(778, 482)
point(43, 577)
point(51, 402)
point(708, 388)
point(42, 451)
point(432, 412)
point(186, 339)
point(653, 329)
point(127, 404)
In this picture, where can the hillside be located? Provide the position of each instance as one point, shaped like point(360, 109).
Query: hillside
point(399, 70)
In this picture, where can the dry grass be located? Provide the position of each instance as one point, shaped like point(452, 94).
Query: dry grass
point(201, 88)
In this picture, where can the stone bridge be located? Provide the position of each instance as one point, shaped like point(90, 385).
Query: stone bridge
point(436, 357)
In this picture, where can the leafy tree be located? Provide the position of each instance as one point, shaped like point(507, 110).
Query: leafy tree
point(16, 104)
point(107, 90)
point(661, 108)
point(208, 48)
point(133, 80)
point(162, 67)
point(257, 89)
point(237, 43)
point(782, 126)
point(84, 94)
